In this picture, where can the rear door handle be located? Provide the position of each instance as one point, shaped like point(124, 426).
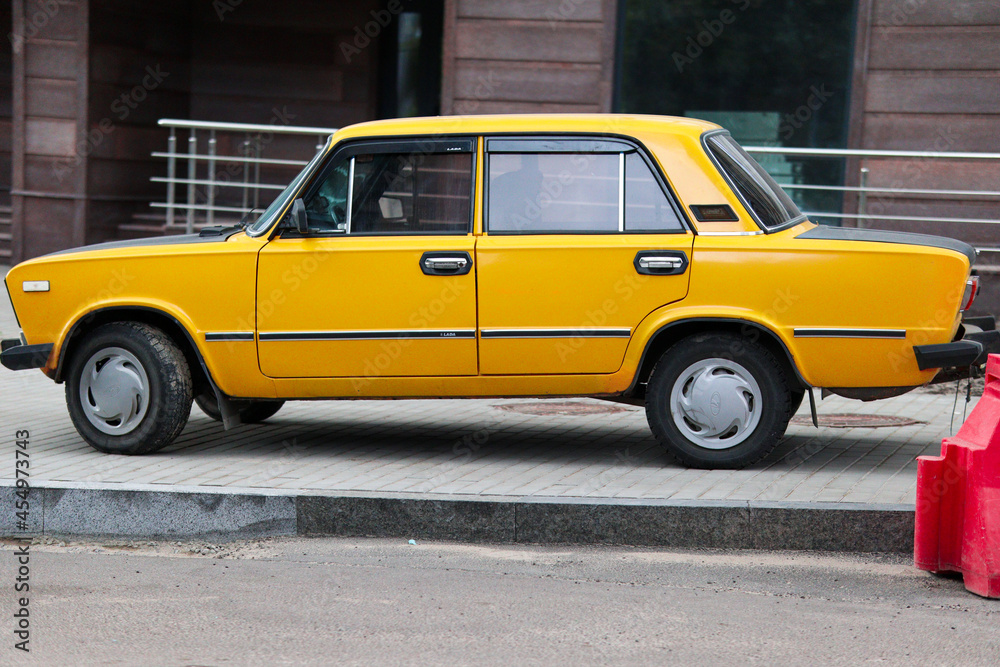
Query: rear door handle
point(661, 262)
point(446, 263)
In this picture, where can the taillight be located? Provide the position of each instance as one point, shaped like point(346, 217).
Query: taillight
point(971, 292)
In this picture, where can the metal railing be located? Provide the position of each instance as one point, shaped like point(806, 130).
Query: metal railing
point(204, 180)
point(869, 158)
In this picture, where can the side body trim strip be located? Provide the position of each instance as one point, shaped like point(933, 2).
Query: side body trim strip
point(365, 335)
point(816, 332)
point(556, 333)
point(213, 336)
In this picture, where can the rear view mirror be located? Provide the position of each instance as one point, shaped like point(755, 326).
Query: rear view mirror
point(391, 208)
point(299, 217)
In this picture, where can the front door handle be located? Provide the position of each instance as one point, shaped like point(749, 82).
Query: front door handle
point(661, 262)
point(446, 263)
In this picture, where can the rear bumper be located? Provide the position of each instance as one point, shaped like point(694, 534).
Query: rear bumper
point(978, 337)
point(19, 357)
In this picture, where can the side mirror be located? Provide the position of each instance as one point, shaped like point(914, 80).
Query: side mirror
point(299, 217)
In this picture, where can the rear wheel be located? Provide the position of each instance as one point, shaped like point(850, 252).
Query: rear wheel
point(718, 401)
point(128, 389)
point(254, 413)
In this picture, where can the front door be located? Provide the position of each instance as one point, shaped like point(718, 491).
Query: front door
point(583, 240)
point(384, 283)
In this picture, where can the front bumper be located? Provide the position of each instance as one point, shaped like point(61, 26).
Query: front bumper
point(977, 338)
point(20, 357)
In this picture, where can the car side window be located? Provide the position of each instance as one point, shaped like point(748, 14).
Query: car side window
point(647, 208)
point(553, 192)
point(581, 193)
point(394, 193)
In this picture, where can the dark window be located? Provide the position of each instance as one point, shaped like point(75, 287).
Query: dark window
point(772, 72)
point(409, 57)
point(772, 206)
point(395, 193)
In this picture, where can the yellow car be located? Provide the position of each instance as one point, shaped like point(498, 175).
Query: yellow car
point(642, 259)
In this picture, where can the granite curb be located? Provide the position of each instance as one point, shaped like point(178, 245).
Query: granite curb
point(147, 511)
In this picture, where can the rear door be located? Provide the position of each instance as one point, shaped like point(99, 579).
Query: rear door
point(582, 240)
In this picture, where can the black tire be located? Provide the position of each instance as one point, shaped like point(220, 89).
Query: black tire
point(168, 395)
point(774, 407)
point(254, 413)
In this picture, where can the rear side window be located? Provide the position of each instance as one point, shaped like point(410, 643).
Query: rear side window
point(537, 192)
point(772, 207)
point(553, 192)
point(647, 208)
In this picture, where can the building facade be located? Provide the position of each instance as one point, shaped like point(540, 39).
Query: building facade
point(83, 83)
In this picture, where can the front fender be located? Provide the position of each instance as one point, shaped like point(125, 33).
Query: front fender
point(91, 313)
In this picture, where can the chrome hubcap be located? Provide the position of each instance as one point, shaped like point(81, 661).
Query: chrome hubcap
point(716, 403)
point(114, 391)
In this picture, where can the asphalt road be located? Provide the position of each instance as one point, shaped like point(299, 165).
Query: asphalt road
point(355, 601)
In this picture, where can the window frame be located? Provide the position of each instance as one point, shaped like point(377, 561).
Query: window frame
point(798, 220)
point(576, 144)
point(416, 144)
point(288, 195)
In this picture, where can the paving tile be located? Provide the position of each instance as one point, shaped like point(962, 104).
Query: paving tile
point(471, 447)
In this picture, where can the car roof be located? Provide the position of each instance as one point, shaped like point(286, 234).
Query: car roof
point(607, 124)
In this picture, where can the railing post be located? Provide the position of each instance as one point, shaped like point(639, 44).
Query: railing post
point(863, 197)
point(256, 172)
point(212, 143)
point(246, 173)
point(192, 174)
point(171, 174)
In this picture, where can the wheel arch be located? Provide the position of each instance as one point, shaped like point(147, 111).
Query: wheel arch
point(673, 332)
point(155, 317)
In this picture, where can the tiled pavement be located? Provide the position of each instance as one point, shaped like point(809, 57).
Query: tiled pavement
point(474, 449)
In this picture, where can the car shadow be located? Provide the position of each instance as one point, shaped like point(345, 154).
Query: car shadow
point(619, 443)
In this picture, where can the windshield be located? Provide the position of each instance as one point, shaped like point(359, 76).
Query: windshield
point(771, 205)
point(266, 218)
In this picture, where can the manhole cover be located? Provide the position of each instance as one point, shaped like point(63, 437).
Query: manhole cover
point(561, 408)
point(856, 421)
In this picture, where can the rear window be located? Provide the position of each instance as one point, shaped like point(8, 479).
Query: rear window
point(772, 207)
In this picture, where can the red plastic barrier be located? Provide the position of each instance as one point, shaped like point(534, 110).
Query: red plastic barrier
point(958, 498)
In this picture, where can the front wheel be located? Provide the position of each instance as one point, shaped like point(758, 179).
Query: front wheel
point(718, 401)
point(128, 389)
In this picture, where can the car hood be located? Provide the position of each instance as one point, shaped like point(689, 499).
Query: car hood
point(182, 239)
